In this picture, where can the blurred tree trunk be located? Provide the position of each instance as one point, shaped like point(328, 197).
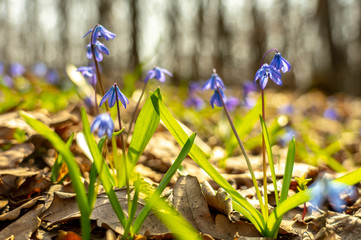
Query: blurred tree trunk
point(223, 44)
point(199, 24)
point(173, 18)
point(335, 75)
point(258, 36)
point(63, 32)
point(134, 52)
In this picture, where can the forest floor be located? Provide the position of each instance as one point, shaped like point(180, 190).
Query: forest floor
point(34, 207)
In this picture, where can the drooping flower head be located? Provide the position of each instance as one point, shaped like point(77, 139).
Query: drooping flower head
point(324, 189)
point(113, 95)
point(213, 82)
point(16, 69)
point(98, 32)
point(104, 123)
point(194, 101)
point(216, 98)
point(265, 72)
point(99, 48)
point(89, 74)
point(280, 63)
point(157, 73)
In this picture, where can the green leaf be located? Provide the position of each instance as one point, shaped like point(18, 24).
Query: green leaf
point(59, 161)
point(145, 126)
point(173, 220)
point(270, 157)
point(165, 180)
point(198, 156)
point(102, 169)
point(74, 170)
point(287, 176)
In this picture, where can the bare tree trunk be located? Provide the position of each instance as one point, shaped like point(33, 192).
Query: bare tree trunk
point(198, 41)
point(63, 33)
point(336, 73)
point(258, 36)
point(173, 17)
point(134, 52)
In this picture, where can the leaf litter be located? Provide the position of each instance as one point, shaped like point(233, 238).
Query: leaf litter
point(32, 207)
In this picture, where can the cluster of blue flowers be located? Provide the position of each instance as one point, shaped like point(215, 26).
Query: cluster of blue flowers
point(272, 71)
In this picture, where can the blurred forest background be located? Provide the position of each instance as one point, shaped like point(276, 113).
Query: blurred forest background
point(320, 38)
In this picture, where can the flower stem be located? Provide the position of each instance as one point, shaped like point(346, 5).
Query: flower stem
point(304, 211)
point(123, 149)
point(264, 155)
point(245, 155)
point(98, 72)
point(273, 49)
point(135, 111)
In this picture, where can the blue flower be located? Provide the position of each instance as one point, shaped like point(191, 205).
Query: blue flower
point(280, 63)
point(104, 123)
point(194, 101)
point(52, 76)
point(231, 103)
point(216, 98)
point(1, 68)
point(99, 48)
point(331, 113)
point(100, 31)
point(157, 73)
point(248, 87)
point(324, 189)
point(8, 81)
point(40, 69)
point(213, 82)
point(16, 69)
point(114, 94)
point(265, 72)
point(88, 73)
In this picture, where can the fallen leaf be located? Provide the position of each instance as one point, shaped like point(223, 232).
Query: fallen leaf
point(13, 214)
point(15, 155)
point(25, 226)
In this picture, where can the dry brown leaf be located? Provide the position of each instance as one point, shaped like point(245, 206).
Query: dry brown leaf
point(25, 226)
point(15, 155)
point(13, 214)
point(64, 208)
point(190, 202)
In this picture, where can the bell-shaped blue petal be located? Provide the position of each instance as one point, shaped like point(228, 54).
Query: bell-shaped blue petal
point(100, 31)
point(113, 95)
point(216, 98)
point(157, 73)
point(280, 63)
point(265, 72)
point(104, 124)
point(213, 82)
point(99, 48)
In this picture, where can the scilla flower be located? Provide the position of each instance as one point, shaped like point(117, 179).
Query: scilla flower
point(265, 72)
point(213, 82)
point(99, 48)
point(104, 123)
point(100, 31)
point(216, 98)
point(280, 63)
point(88, 73)
point(16, 69)
point(157, 73)
point(324, 189)
point(113, 95)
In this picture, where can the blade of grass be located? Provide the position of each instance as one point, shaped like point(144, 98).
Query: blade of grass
point(270, 158)
point(133, 209)
point(287, 176)
point(198, 156)
point(102, 169)
point(165, 180)
point(59, 161)
point(74, 170)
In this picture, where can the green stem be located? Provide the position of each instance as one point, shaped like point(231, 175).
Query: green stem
point(135, 111)
point(244, 154)
point(123, 147)
point(264, 159)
